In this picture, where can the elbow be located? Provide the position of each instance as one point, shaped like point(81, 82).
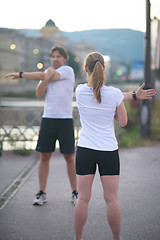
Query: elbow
point(38, 95)
point(124, 123)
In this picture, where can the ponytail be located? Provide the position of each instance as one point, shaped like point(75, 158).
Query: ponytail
point(95, 64)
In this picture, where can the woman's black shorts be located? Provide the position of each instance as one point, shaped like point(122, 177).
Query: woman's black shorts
point(87, 160)
point(53, 129)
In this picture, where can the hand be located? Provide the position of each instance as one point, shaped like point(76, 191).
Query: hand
point(50, 73)
point(145, 94)
point(12, 75)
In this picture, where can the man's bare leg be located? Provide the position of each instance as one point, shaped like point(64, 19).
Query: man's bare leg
point(71, 170)
point(43, 170)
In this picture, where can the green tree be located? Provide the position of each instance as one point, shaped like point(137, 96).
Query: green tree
point(73, 61)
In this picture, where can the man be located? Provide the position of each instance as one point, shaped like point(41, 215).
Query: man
point(57, 84)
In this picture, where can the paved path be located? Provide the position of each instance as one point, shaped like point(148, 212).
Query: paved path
point(12, 166)
point(139, 197)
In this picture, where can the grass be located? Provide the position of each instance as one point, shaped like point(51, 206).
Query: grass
point(20, 149)
point(155, 121)
point(130, 135)
point(23, 152)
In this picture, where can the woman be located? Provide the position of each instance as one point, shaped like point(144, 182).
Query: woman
point(98, 106)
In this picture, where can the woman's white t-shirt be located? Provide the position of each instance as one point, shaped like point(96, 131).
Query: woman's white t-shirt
point(59, 95)
point(97, 120)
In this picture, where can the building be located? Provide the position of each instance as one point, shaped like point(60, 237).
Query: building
point(27, 50)
point(19, 52)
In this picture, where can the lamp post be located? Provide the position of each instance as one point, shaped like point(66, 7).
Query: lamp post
point(146, 104)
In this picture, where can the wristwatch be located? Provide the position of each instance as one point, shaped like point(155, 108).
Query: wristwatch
point(134, 96)
point(20, 74)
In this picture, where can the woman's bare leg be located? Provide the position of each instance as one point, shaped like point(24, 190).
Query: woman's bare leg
point(81, 209)
point(110, 190)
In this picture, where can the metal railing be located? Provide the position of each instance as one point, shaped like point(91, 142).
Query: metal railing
point(21, 125)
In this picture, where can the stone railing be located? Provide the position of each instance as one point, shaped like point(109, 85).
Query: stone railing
point(20, 125)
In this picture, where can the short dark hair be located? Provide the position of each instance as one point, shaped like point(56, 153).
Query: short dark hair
point(61, 51)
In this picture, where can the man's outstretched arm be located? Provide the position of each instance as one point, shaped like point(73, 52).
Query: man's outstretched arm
point(28, 75)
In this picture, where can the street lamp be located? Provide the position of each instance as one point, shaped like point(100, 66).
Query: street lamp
point(40, 65)
point(12, 46)
point(35, 51)
point(146, 104)
point(76, 59)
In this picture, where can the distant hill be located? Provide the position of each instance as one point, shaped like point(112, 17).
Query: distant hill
point(34, 33)
point(119, 44)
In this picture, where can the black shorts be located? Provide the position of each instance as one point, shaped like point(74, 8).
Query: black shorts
point(56, 129)
point(88, 159)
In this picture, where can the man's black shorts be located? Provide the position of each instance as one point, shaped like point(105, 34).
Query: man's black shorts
point(53, 129)
point(88, 159)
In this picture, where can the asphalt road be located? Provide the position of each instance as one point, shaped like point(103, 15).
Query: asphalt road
point(139, 197)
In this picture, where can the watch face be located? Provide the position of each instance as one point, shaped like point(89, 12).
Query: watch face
point(134, 96)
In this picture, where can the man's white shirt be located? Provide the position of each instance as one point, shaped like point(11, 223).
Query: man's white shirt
point(59, 95)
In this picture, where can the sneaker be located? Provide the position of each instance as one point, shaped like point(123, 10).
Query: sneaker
point(74, 196)
point(40, 198)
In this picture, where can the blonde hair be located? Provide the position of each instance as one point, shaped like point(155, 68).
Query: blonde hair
point(95, 64)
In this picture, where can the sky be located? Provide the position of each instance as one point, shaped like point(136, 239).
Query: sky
point(73, 15)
